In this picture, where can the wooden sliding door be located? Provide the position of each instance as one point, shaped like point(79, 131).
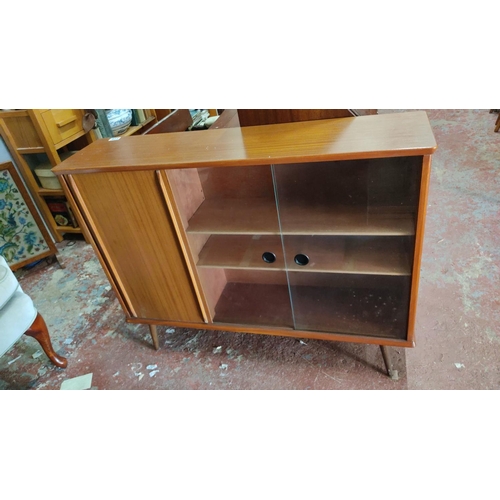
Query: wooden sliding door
point(129, 219)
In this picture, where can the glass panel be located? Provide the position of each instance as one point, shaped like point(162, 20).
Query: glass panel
point(231, 221)
point(348, 233)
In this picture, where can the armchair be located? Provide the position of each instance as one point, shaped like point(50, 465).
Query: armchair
point(18, 316)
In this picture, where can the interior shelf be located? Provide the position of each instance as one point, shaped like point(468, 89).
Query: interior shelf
point(327, 254)
point(68, 229)
point(346, 220)
point(235, 216)
point(50, 192)
point(259, 216)
point(241, 252)
point(31, 150)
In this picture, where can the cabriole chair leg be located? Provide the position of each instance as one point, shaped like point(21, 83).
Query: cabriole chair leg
point(38, 330)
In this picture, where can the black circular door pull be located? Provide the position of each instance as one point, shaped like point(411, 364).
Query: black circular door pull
point(268, 257)
point(301, 259)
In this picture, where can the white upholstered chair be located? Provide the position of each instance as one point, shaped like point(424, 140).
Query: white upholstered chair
point(18, 316)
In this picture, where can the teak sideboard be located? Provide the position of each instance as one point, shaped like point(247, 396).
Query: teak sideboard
point(306, 229)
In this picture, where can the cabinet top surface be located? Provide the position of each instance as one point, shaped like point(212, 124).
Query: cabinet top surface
point(374, 136)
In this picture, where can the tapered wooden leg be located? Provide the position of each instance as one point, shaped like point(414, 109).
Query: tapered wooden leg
point(388, 362)
point(154, 334)
point(39, 332)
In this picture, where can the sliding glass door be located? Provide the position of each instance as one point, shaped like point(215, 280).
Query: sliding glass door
point(348, 233)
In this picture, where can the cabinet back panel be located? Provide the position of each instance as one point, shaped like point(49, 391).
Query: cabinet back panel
point(257, 277)
point(371, 183)
point(131, 223)
point(237, 182)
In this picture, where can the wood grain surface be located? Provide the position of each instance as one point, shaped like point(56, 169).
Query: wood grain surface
point(259, 216)
point(345, 255)
point(131, 222)
point(375, 136)
point(419, 242)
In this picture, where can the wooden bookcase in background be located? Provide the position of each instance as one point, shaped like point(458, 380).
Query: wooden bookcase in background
point(37, 136)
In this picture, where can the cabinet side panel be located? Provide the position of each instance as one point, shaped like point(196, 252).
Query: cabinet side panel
point(214, 281)
point(419, 241)
point(187, 191)
point(131, 223)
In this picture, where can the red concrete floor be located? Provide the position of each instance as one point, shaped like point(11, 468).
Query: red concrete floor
point(458, 318)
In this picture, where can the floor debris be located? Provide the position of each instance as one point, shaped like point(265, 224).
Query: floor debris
point(151, 367)
point(77, 383)
point(217, 350)
point(223, 366)
point(153, 373)
point(36, 354)
point(13, 360)
point(459, 365)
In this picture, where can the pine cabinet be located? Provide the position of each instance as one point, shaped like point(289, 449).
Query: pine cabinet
point(306, 229)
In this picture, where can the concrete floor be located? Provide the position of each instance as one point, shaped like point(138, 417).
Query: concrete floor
point(458, 319)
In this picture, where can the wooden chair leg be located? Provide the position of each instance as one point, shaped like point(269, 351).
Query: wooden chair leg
point(388, 362)
point(497, 124)
point(154, 334)
point(39, 332)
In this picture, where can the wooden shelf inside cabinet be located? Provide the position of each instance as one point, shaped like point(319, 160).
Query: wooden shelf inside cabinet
point(259, 216)
point(241, 252)
point(230, 216)
point(327, 254)
point(68, 229)
point(50, 192)
point(30, 151)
